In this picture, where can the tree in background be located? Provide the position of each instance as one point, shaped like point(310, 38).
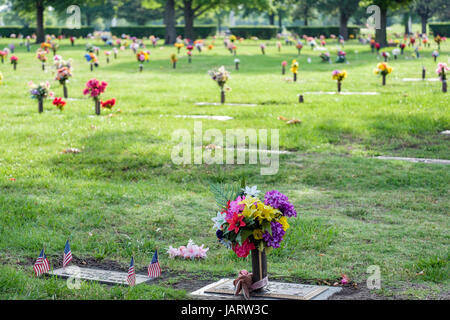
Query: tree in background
point(426, 9)
point(384, 5)
point(345, 8)
point(304, 10)
point(139, 12)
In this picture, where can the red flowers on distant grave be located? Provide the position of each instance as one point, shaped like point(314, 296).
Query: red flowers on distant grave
point(95, 88)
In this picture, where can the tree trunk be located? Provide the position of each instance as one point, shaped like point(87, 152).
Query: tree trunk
point(40, 35)
point(169, 17)
point(272, 19)
point(406, 21)
point(424, 24)
point(380, 34)
point(343, 21)
point(188, 20)
point(305, 23)
point(280, 22)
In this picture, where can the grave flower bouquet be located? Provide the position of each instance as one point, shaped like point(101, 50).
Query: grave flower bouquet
point(294, 68)
point(385, 55)
point(14, 60)
point(299, 46)
point(1, 78)
point(95, 88)
point(339, 76)
point(63, 73)
point(178, 45)
point(441, 70)
point(221, 76)
point(59, 103)
point(3, 54)
point(40, 92)
point(41, 55)
point(435, 54)
point(341, 56)
point(384, 69)
point(395, 52)
point(247, 222)
point(108, 104)
point(325, 56)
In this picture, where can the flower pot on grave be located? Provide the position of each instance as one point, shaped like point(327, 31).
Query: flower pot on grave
point(423, 73)
point(295, 77)
point(66, 95)
point(444, 85)
point(97, 106)
point(259, 269)
point(40, 105)
point(339, 86)
point(222, 96)
point(283, 70)
point(384, 80)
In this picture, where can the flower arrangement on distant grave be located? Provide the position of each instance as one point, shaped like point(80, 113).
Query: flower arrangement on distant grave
point(210, 47)
point(299, 47)
point(339, 76)
point(377, 47)
point(435, 55)
point(174, 59)
point(221, 76)
point(283, 67)
point(63, 73)
point(107, 54)
point(402, 48)
point(279, 46)
point(40, 92)
point(245, 224)
point(263, 48)
point(191, 251)
point(4, 54)
point(59, 103)
point(41, 55)
point(92, 59)
point(54, 47)
point(341, 57)
point(233, 38)
point(383, 69)
point(325, 56)
point(12, 47)
point(294, 69)
point(14, 61)
point(94, 89)
point(199, 45)
point(142, 56)
point(372, 45)
point(237, 62)
point(395, 53)
point(178, 45)
point(115, 52)
point(72, 41)
point(189, 54)
point(385, 55)
point(426, 42)
point(438, 39)
point(441, 71)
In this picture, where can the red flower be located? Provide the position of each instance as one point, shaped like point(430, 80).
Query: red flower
point(236, 222)
point(108, 103)
point(59, 102)
point(244, 250)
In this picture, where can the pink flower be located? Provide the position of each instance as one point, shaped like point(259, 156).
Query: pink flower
point(344, 279)
point(173, 252)
point(243, 250)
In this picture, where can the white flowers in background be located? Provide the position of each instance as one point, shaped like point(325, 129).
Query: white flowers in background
point(237, 61)
point(191, 251)
point(396, 51)
point(219, 220)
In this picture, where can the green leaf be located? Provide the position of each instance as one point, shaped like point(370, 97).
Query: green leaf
point(224, 193)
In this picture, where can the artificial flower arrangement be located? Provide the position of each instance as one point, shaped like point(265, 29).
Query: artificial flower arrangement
point(402, 48)
point(59, 103)
point(221, 76)
point(210, 47)
point(12, 47)
point(191, 251)
point(283, 67)
point(107, 54)
point(377, 46)
point(438, 41)
point(54, 47)
point(385, 55)
point(189, 54)
point(325, 56)
point(3, 54)
point(299, 47)
point(72, 41)
point(199, 45)
point(142, 56)
point(40, 92)
point(63, 73)
point(395, 53)
point(233, 38)
point(341, 56)
point(425, 41)
point(294, 69)
point(435, 54)
point(41, 55)
point(372, 45)
point(384, 69)
point(108, 104)
point(189, 47)
point(14, 60)
point(263, 48)
point(339, 76)
point(178, 45)
point(246, 223)
point(174, 59)
point(441, 71)
point(94, 89)
point(237, 62)
point(92, 59)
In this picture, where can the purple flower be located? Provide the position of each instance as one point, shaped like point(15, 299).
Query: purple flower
point(281, 202)
point(275, 239)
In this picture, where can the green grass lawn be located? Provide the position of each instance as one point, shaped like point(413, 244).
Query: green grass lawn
point(122, 194)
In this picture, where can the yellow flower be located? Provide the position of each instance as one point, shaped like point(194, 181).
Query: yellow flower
point(284, 223)
point(294, 66)
point(257, 234)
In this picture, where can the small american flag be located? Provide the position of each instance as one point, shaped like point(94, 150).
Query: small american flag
point(67, 254)
point(41, 265)
point(154, 270)
point(131, 273)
